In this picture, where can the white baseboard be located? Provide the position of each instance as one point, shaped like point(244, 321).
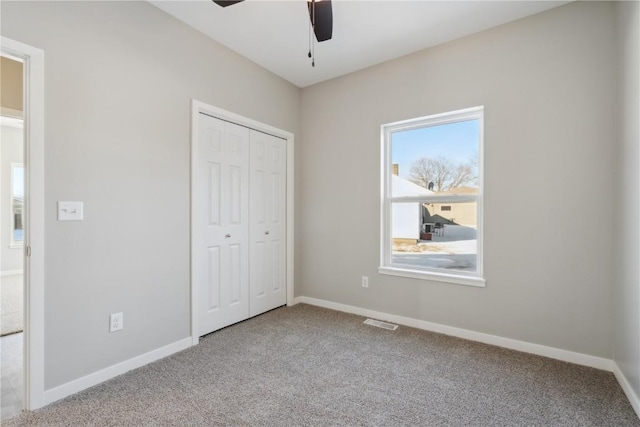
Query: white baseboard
point(103, 375)
point(526, 347)
point(626, 387)
point(10, 272)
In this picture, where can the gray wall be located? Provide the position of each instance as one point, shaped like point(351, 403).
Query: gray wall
point(627, 284)
point(119, 80)
point(548, 86)
point(10, 258)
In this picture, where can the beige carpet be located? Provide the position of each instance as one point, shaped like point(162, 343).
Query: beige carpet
point(307, 366)
point(11, 308)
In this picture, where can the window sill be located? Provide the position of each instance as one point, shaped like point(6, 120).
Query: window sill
point(436, 277)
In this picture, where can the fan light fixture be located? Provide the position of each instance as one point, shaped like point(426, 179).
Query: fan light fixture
point(320, 21)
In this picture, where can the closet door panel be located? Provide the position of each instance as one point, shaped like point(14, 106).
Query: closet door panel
point(221, 222)
point(267, 215)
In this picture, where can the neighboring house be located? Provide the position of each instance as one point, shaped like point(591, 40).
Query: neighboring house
point(406, 217)
point(453, 213)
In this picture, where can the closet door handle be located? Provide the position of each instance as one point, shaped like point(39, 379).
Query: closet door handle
point(227, 236)
point(266, 232)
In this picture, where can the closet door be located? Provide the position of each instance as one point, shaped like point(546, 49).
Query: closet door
point(268, 216)
point(221, 224)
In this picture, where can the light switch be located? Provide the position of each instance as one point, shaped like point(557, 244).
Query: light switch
point(70, 211)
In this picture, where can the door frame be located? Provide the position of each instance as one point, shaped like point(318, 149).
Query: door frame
point(33, 217)
point(198, 107)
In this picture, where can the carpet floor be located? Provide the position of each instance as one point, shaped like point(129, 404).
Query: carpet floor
point(11, 304)
point(308, 366)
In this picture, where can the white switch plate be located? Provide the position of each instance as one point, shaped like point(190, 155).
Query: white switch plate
point(70, 211)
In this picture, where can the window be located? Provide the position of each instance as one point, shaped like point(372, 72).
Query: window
point(431, 206)
point(17, 204)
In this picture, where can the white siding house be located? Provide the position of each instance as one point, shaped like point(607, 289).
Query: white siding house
point(406, 217)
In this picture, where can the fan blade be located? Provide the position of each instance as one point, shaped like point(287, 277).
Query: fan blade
point(323, 23)
point(225, 3)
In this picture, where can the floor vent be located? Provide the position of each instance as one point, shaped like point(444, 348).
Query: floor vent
point(380, 324)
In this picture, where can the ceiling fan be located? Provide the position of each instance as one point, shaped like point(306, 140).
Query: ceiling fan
point(320, 18)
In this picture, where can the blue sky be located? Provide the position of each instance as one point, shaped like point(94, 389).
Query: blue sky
point(456, 141)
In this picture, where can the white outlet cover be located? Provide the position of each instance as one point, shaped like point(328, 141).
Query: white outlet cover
point(116, 322)
point(70, 211)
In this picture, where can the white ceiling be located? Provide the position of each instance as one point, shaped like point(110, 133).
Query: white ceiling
point(275, 34)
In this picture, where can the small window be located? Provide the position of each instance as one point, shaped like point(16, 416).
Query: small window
point(17, 204)
point(432, 197)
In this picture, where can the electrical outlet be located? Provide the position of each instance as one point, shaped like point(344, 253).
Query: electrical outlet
point(116, 322)
point(365, 282)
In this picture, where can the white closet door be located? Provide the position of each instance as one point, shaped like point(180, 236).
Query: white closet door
point(268, 162)
point(221, 221)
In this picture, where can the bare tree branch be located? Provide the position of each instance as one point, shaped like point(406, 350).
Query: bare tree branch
point(463, 174)
point(420, 172)
point(442, 173)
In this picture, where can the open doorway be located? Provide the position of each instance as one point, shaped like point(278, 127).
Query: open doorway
point(31, 359)
point(12, 235)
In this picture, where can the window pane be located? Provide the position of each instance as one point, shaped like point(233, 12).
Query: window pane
point(441, 159)
point(17, 204)
point(445, 240)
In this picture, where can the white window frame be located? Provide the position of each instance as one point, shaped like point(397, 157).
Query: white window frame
point(386, 266)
